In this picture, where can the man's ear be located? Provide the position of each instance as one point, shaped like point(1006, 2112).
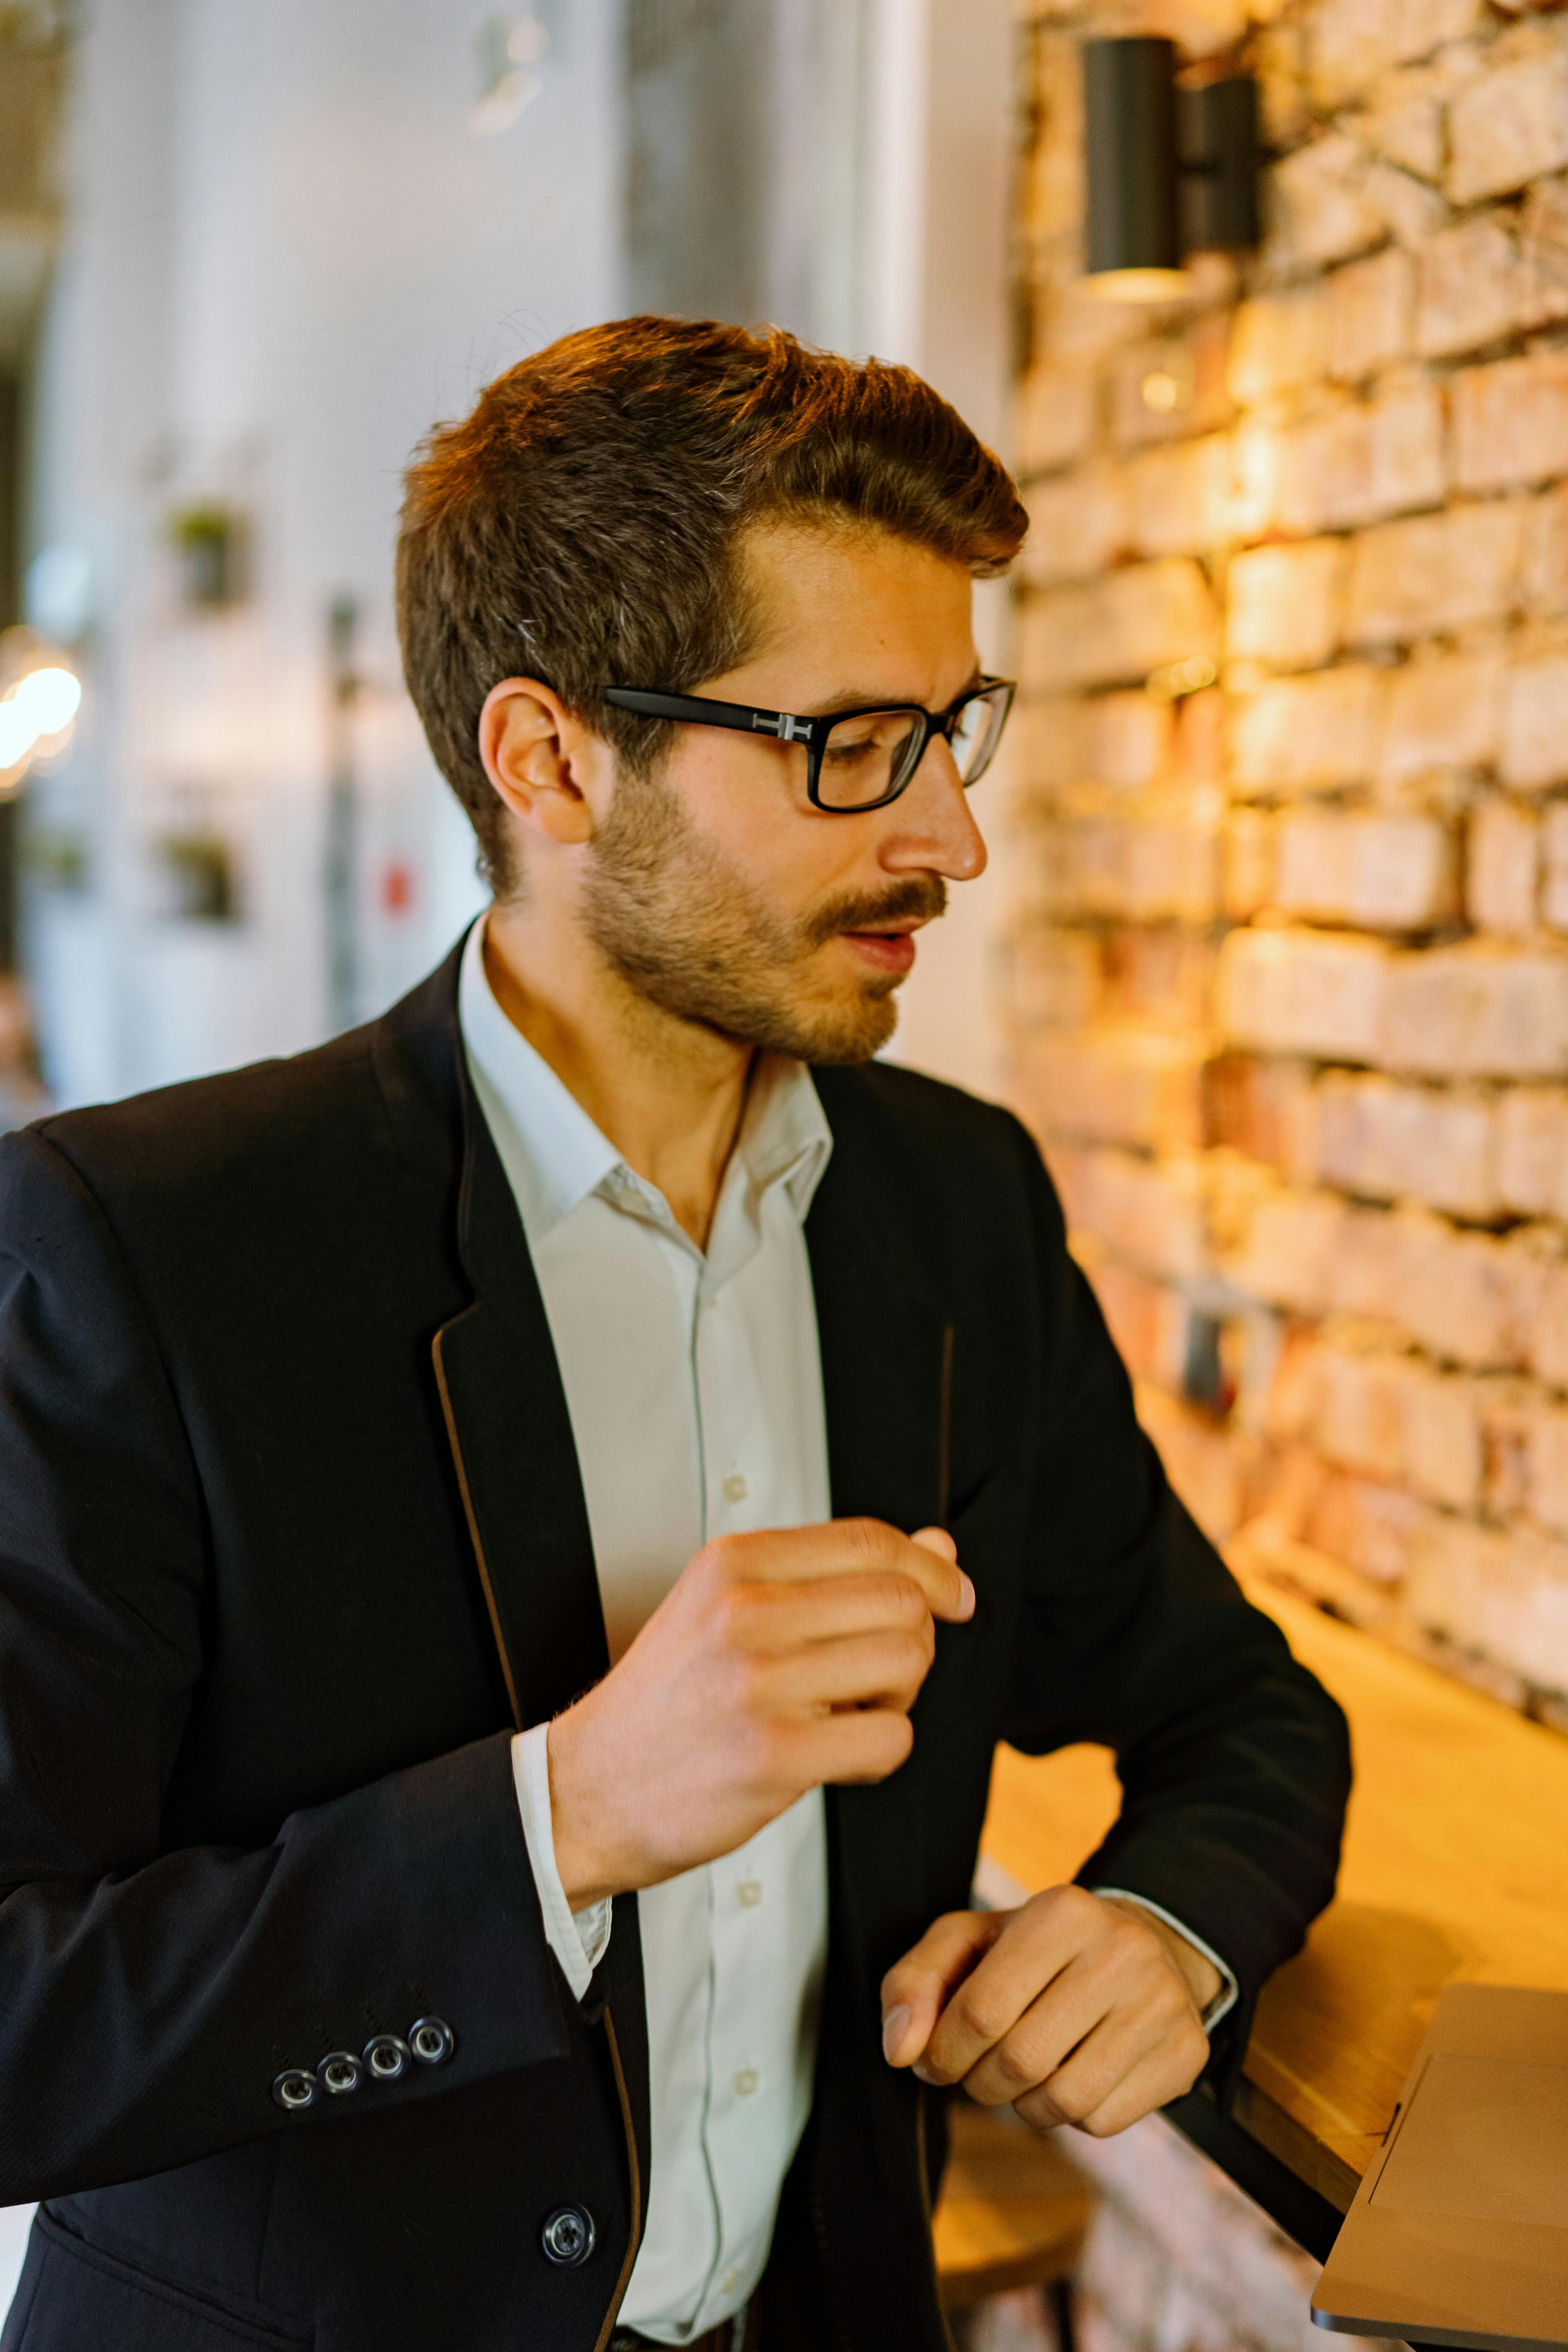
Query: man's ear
point(542, 761)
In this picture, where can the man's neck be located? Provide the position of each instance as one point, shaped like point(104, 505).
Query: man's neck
point(668, 1095)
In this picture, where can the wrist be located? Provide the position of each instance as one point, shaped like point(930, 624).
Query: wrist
point(1198, 1973)
point(585, 1871)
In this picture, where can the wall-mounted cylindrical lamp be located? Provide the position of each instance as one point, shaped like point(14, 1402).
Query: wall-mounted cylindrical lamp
point(1172, 168)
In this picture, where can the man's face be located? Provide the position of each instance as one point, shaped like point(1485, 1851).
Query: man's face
point(717, 889)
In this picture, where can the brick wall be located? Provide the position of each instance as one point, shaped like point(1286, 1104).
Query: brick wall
point(1285, 964)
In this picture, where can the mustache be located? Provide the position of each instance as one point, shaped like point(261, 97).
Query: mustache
point(919, 898)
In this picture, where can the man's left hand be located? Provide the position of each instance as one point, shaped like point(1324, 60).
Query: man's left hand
point(1075, 2009)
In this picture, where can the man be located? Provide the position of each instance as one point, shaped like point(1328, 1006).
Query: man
point(520, 1531)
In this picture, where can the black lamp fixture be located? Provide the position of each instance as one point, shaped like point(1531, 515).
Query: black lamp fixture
point(1171, 166)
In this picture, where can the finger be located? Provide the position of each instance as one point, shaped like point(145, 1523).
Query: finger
point(1157, 2079)
point(1039, 2043)
point(936, 1539)
point(1040, 1940)
point(1121, 2048)
point(865, 1744)
point(863, 1670)
point(916, 1988)
point(846, 1547)
point(780, 1618)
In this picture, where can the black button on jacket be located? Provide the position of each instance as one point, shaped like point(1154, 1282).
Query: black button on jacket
point(292, 1535)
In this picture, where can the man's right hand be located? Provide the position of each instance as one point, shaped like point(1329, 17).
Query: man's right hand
point(777, 1662)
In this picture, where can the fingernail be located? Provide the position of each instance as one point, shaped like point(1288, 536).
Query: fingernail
point(921, 2072)
point(894, 2027)
point(967, 1595)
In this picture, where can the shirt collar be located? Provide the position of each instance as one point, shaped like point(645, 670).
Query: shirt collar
point(554, 1155)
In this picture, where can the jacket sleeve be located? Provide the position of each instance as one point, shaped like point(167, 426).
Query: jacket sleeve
point(150, 1998)
point(1234, 1761)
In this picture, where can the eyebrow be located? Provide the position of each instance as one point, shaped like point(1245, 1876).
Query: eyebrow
point(854, 701)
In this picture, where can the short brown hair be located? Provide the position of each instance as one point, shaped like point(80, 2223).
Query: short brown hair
point(581, 525)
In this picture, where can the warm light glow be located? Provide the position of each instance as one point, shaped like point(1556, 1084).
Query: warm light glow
point(1189, 677)
point(49, 697)
point(1139, 285)
point(35, 715)
point(1162, 391)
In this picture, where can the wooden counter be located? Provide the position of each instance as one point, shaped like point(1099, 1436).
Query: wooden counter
point(1456, 1869)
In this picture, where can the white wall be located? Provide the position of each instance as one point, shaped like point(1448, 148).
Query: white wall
point(936, 296)
point(289, 254)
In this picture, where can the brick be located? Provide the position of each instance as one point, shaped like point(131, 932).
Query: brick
point(1505, 1596)
point(1207, 1465)
point(1266, 1110)
point(1287, 1251)
point(1369, 1526)
point(1278, 342)
point(1546, 552)
point(1554, 861)
point(1349, 43)
point(1509, 125)
point(1149, 1321)
point(1389, 1141)
point(1442, 713)
point(1181, 499)
point(1476, 1011)
point(1286, 603)
point(1130, 738)
point(1195, 362)
point(1116, 630)
point(1279, 63)
point(1078, 523)
point(1546, 1465)
point(1535, 724)
point(1160, 973)
point(1050, 979)
point(1200, 754)
point(1511, 421)
point(1440, 571)
point(1318, 205)
point(1543, 254)
point(1247, 865)
point(1149, 865)
point(1502, 868)
point(1362, 459)
point(1463, 1296)
point(1408, 210)
point(1470, 288)
point(1382, 872)
point(1308, 733)
point(1152, 1212)
point(1303, 991)
point(1114, 1084)
point(1403, 116)
point(1055, 418)
point(1532, 1151)
point(1546, 1329)
point(1371, 308)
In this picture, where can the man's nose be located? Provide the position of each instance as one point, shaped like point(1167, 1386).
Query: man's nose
point(938, 831)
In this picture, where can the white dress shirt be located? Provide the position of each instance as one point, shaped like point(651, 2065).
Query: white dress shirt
point(694, 1385)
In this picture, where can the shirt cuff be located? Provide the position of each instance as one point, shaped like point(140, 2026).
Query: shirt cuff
point(579, 1940)
point(1224, 2000)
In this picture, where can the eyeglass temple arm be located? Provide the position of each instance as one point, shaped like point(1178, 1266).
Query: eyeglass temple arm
point(698, 711)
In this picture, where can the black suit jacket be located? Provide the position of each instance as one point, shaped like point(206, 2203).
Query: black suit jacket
point(292, 1535)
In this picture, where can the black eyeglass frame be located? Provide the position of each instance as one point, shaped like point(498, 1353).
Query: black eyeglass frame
point(787, 727)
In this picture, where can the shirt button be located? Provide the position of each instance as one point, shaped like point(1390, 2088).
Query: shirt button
point(749, 1893)
point(745, 2081)
point(735, 1488)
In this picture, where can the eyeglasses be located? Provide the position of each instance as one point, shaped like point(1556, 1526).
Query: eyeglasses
point(855, 760)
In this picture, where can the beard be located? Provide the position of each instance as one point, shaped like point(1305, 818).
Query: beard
point(689, 931)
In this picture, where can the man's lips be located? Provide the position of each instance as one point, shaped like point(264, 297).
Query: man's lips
point(889, 950)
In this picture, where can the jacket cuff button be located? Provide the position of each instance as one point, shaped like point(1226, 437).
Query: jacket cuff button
point(294, 2090)
point(568, 2236)
point(432, 2040)
point(338, 2073)
point(387, 2057)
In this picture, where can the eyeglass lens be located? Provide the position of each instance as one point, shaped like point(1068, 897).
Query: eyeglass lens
point(866, 758)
